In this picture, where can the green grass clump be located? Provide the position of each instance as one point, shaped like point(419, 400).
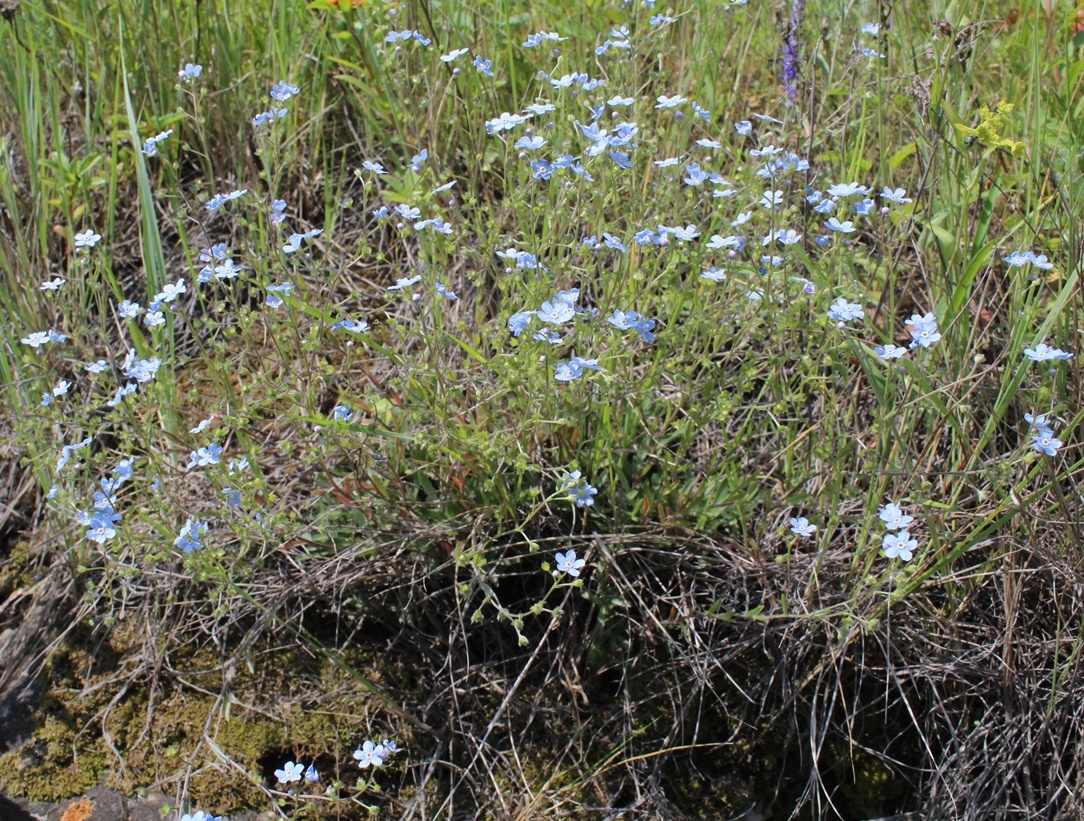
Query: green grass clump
point(634, 410)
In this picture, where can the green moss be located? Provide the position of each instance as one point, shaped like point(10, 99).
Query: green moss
point(46, 769)
point(15, 570)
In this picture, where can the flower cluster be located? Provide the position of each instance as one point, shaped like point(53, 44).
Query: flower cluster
point(291, 773)
point(577, 489)
point(373, 754)
point(897, 544)
point(101, 521)
point(1042, 435)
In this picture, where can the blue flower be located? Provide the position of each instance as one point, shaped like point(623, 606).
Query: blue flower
point(744, 128)
point(209, 455)
point(453, 54)
point(899, 545)
point(311, 774)
point(190, 72)
point(150, 147)
point(519, 321)
point(556, 312)
point(505, 122)
point(924, 334)
point(671, 102)
point(87, 239)
point(567, 372)
point(897, 195)
point(610, 241)
point(269, 116)
point(404, 282)
point(191, 536)
point(887, 352)
point(568, 563)
point(375, 167)
point(444, 292)
point(893, 517)
point(632, 321)
point(844, 311)
point(484, 66)
point(695, 176)
point(1044, 353)
point(532, 143)
point(340, 413)
point(277, 209)
point(541, 169)
point(289, 773)
point(578, 491)
point(370, 754)
point(802, 527)
point(844, 190)
point(218, 200)
point(1044, 442)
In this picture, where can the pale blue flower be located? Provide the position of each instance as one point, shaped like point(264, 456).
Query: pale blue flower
point(191, 536)
point(532, 143)
point(519, 321)
point(896, 195)
point(888, 352)
point(289, 773)
point(1044, 353)
point(370, 754)
point(893, 517)
point(444, 292)
point(269, 116)
point(190, 72)
point(202, 457)
point(1044, 442)
point(404, 282)
point(568, 563)
point(744, 128)
point(171, 291)
point(924, 334)
point(899, 545)
point(844, 311)
point(846, 227)
point(578, 490)
point(87, 239)
point(555, 313)
point(484, 66)
point(802, 527)
point(844, 190)
point(671, 102)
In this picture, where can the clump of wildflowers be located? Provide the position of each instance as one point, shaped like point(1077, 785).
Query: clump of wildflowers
point(577, 489)
point(898, 544)
point(1042, 435)
point(372, 754)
